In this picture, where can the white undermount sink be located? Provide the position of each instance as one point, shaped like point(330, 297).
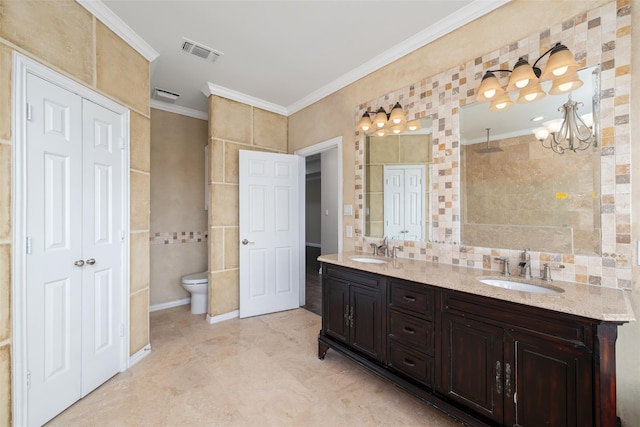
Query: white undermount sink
point(368, 260)
point(520, 286)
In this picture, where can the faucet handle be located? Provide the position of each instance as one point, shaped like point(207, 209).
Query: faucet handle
point(505, 265)
point(394, 253)
point(546, 271)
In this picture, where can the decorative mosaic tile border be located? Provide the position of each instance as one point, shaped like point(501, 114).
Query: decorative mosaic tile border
point(600, 36)
point(173, 237)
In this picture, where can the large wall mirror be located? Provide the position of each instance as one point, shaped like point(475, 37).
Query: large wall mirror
point(397, 180)
point(515, 193)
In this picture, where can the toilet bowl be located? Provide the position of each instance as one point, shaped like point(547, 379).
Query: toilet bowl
point(197, 285)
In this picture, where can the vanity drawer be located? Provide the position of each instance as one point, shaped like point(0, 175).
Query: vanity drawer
point(417, 365)
point(352, 276)
point(412, 331)
point(417, 299)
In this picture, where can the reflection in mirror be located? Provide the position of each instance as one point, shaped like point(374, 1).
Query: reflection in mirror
point(397, 184)
point(515, 193)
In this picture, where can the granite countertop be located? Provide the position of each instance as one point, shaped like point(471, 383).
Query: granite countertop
point(594, 302)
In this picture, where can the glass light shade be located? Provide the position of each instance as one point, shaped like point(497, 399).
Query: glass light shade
point(489, 88)
point(530, 94)
point(560, 63)
point(553, 125)
point(565, 84)
point(397, 129)
point(413, 125)
point(397, 114)
point(587, 119)
point(501, 103)
point(365, 122)
point(541, 133)
point(381, 132)
point(522, 76)
point(380, 119)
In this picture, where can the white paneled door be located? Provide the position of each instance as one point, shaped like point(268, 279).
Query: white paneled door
point(74, 247)
point(404, 202)
point(269, 232)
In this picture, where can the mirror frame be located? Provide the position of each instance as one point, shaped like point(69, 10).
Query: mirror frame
point(442, 95)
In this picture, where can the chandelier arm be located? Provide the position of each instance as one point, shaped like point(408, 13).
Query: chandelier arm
point(544, 54)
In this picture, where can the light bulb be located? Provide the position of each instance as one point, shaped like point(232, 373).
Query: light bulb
point(501, 105)
point(565, 86)
point(522, 83)
point(560, 71)
point(531, 96)
point(489, 93)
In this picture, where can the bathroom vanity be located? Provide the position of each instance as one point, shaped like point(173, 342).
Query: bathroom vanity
point(483, 354)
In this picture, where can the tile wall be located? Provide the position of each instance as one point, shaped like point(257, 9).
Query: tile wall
point(599, 36)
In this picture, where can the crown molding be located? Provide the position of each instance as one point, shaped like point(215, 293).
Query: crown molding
point(213, 89)
point(465, 15)
point(184, 111)
point(118, 26)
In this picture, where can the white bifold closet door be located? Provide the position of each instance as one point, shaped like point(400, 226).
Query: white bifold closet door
point(74, 247)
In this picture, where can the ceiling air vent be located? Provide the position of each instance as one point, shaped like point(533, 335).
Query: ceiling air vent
point(201, 51)
point(165, 95)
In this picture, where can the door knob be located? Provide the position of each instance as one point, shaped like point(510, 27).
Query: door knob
point(91, 261)
point(79, 263)
point(246, 242)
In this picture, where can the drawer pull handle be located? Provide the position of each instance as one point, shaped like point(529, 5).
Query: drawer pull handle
point(409, 299)
point(408, 330)
point(408, 362)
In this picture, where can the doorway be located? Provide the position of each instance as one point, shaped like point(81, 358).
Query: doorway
point(322, 225)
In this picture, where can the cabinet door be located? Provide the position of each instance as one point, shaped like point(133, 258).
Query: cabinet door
point(553, 384)
point(335, 309)
point(367, 333)
point(472, 364)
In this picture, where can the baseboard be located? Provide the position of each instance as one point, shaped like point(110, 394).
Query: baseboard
point(139, 355)
point(223, 317)
point(169, 304)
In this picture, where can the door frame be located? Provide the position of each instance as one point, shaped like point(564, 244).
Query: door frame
point(318, 148)
point(21, 67)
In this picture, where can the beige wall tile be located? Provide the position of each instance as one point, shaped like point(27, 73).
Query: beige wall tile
point(139, 327)
point(139, 201)
point(140, 142)
point(139, 261)
point(42, 28)
point(230, 120)
point(5, 191)
point(5, 385)
point(224, 205)
point(231, 248)
point(114, 60)
point(216, 249)
point(269, 130)
point(5, 292)
point(216, 161)
point(224, 286)
point(5, 88)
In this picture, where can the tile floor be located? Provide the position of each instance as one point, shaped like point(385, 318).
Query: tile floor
point(261, 371)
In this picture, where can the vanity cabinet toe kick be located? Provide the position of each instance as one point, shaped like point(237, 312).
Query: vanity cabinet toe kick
point(484, 361)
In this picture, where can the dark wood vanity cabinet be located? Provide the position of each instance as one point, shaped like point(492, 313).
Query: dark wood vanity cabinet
point(484, 361)
point(353, 310)
point(517, 366)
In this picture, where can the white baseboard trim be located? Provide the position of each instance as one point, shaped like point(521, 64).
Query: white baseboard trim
point(169, 304)
point(223, 317)
point(139, 355)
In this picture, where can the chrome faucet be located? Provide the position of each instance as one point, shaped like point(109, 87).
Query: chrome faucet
point(394, 251)
point(546, 271)
point(525, 264)
point(505, 266)
point(382, 247)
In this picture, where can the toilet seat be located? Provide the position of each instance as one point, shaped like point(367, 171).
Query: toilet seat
point(196, 278)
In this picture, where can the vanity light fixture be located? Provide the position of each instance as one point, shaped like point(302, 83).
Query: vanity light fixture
point(383, 120)
point(571, 132)
point(526, 78)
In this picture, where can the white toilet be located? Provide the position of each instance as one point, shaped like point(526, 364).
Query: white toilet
point(198, 285)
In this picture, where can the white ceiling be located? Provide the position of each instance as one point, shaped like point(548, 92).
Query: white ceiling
point(279, 55)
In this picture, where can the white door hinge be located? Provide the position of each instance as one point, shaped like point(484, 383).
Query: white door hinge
point(28, 111)
point(28, 379)
point(122, 236)
point(28, 245)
